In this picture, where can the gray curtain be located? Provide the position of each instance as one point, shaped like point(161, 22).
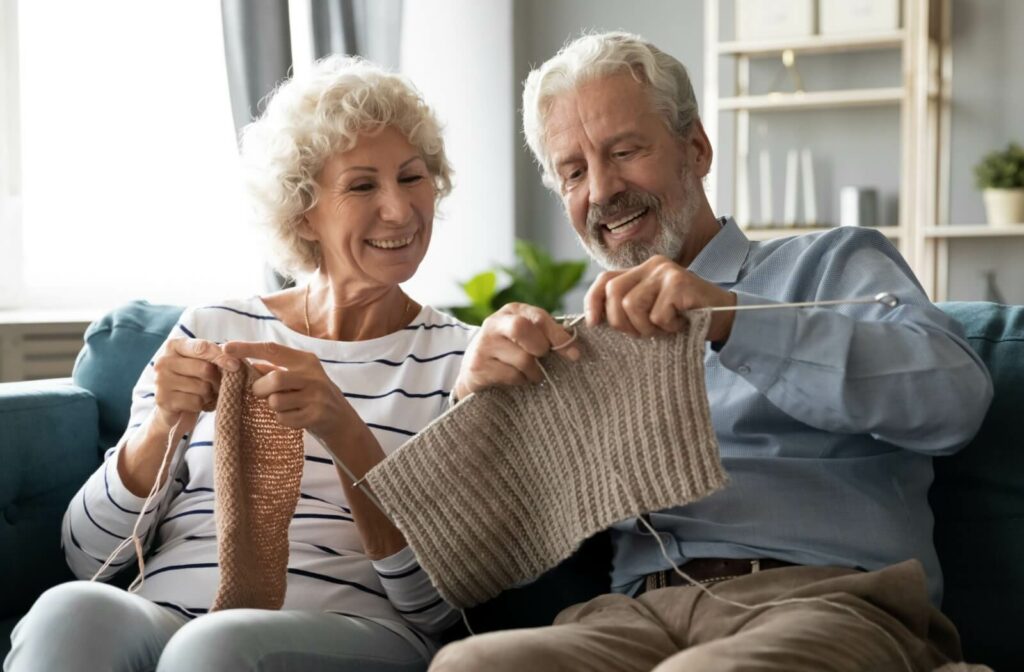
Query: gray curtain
point(368, 28)
point(258, 52)
point(258, 49)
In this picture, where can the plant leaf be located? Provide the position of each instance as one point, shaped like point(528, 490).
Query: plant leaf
point(481, 288)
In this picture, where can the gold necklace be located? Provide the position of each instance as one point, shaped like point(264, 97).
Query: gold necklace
point(305, 309)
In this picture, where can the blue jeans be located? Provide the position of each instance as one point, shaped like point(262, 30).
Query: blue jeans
point(96, 627)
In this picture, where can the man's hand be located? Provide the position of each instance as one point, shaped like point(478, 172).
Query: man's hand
point(650, 299)
point(505, 351)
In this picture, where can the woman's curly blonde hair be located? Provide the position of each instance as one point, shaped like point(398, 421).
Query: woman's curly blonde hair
point(313, 116)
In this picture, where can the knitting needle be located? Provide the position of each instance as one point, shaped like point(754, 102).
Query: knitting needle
point(359, 483)
point(884, 298)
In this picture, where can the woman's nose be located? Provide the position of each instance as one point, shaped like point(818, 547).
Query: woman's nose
point(395, 205)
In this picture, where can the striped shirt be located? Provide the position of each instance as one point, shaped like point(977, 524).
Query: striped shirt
point(397, 384)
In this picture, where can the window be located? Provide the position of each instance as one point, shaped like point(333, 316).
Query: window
point(129, 162)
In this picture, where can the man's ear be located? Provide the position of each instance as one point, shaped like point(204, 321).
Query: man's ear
point(703, 154)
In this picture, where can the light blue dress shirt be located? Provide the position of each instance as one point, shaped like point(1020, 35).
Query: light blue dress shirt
point(827, 419)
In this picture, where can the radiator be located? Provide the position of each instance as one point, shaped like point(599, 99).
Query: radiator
point(37, 350)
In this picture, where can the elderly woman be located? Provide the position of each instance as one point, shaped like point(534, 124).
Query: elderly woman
point(346, 167)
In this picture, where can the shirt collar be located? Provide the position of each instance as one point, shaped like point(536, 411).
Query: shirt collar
point(722, 258)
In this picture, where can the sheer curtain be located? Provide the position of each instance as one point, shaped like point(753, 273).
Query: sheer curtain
point(129, 157)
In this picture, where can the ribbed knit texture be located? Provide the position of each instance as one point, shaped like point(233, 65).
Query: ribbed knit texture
point(503, 487)
point(257, 469)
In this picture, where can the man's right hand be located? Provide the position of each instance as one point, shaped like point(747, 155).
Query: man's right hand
point(187, 378)
point(506, 349)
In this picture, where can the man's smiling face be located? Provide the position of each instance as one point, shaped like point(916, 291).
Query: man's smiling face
point(622, 173)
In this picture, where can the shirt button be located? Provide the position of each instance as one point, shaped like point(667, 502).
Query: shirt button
point(743, 368)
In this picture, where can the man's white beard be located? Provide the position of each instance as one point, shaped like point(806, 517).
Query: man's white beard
point(673, 225)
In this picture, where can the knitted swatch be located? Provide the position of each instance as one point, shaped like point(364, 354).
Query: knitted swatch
point(257, 469)
point(503, 487)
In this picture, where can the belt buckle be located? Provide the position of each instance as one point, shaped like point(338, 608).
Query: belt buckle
point(755, 565)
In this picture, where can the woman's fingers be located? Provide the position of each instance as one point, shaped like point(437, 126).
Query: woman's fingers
point(197, 348)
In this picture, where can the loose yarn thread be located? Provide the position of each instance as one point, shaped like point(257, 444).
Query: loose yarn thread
point(569, 419)
point(174, 436)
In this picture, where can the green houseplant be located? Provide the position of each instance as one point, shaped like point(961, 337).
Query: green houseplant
point(1000, 176)
point(536, 279)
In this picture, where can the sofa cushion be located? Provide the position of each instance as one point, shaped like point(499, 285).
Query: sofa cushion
point(978, 499)
point(47, 450)
point(117, 346)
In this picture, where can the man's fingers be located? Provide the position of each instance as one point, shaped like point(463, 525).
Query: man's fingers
point(198, 348)
point(537, 332)
point(594, 302)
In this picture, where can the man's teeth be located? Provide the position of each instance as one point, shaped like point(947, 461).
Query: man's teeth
point(390, 244)
point(625, 221)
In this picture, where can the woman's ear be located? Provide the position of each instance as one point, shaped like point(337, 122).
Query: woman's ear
point(305, 230)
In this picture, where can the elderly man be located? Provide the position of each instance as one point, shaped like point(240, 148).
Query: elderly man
point(818, 555)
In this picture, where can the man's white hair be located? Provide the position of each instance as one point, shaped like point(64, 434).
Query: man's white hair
point(599, 55)
point(317, 114)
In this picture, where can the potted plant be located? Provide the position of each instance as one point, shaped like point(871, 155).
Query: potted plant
point(536, 279)
point(1000, 175)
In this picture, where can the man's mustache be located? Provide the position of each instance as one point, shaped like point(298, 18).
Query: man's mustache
point(627, 201)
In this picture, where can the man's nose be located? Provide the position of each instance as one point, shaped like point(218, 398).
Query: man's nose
point(605, 184)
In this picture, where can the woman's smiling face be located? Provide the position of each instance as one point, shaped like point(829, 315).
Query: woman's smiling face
point(374, 214)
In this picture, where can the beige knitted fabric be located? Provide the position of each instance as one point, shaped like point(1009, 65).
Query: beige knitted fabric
point(503, 487)
point(257, 469)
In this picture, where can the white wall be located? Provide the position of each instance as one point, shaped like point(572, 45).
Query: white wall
point(459, 53)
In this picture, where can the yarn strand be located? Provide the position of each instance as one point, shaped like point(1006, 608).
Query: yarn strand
point(173, 438)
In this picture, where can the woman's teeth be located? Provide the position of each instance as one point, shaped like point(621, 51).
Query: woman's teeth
point(627, 222)
point(390, 244)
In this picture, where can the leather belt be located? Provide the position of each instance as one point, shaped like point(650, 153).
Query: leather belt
point(711, 570)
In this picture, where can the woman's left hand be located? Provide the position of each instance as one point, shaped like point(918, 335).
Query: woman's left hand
point(296, 387)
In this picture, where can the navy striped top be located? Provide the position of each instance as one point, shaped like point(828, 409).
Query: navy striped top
point(397, 384)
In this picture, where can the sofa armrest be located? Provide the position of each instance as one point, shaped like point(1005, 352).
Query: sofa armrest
point(49, 440)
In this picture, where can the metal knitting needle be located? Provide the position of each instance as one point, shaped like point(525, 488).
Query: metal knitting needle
point(884, 298)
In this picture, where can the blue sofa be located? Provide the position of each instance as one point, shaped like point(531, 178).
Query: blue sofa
point(52, 435)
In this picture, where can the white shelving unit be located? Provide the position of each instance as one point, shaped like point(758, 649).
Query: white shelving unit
point(923, 44)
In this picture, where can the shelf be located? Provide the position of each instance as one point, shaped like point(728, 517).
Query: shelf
point(974, 231)
point(817, 44)
point(772, 232)
point(814, 99)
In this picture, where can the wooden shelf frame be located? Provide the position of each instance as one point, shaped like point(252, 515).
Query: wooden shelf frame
point(974, 231)
point(816, 44)
point(814, 100)
point(922, 100)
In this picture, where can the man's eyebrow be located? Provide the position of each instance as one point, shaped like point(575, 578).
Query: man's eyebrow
point(625, 135)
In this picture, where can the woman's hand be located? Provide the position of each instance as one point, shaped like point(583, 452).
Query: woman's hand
point(187, 378)
point(506, 349)
point(649, 299)
point(296, 387)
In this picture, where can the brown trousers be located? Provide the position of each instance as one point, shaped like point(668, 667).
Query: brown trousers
point(680, 629)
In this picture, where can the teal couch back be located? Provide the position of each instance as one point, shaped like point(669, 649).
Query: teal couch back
point(978, 495)
point(117, 347)
point(978, 499)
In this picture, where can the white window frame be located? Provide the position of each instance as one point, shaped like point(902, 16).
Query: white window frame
point(10, 158)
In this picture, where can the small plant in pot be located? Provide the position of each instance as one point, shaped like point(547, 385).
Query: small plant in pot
point(1000, 176)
